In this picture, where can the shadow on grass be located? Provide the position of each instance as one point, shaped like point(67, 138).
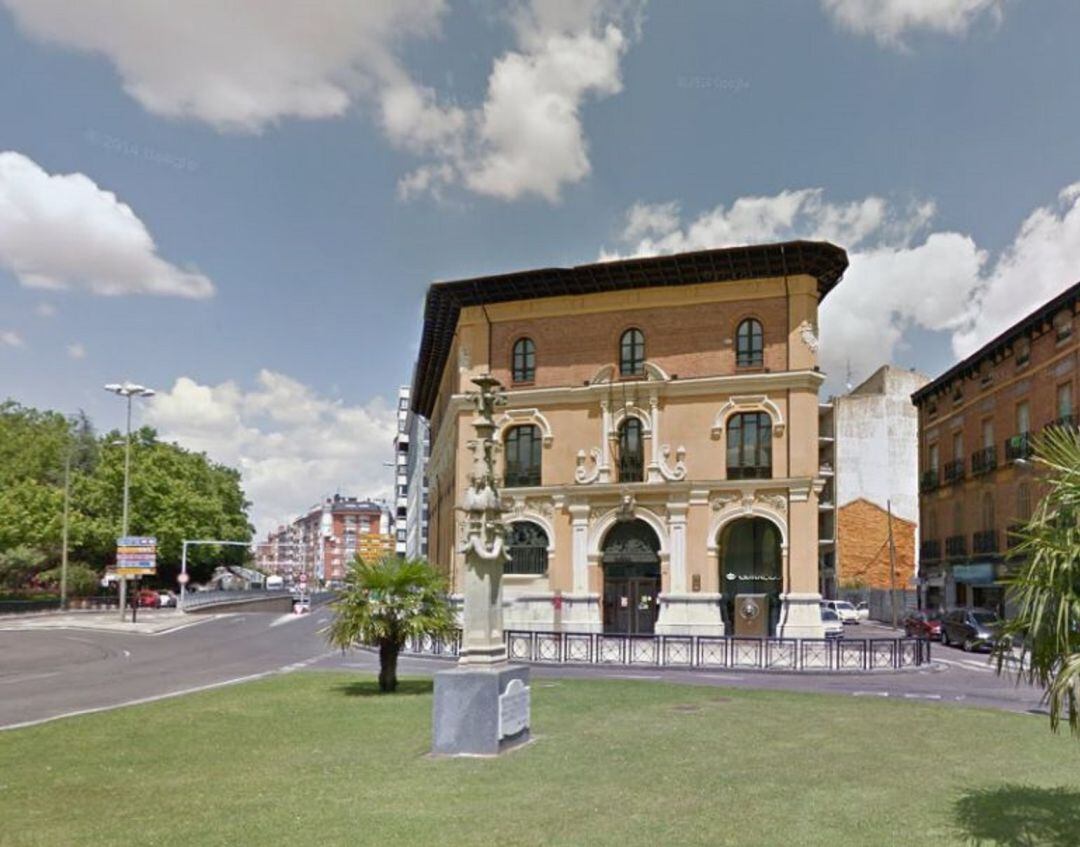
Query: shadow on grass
point(370, 688)
point(1020, 816)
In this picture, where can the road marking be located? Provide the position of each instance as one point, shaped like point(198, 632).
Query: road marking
point(922, 696)
point(869, 693)
point(632, 675)
point(156, 697)
point(29, 677)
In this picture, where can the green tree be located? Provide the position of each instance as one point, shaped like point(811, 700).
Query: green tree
point(383, 604)
point(18, 565)
point(1047, 589)
point(81, 580)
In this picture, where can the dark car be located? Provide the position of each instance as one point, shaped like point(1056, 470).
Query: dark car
point(972, 629)
point(923, 625)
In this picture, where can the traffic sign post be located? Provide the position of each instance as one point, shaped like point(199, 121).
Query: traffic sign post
point(136, 556)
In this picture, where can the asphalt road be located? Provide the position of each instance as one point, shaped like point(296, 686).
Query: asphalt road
point(50, 673)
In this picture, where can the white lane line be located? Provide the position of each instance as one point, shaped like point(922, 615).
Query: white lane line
point(29, 677)
point(156, 697)
point(967, 665)
point(869, 693)
point(922, 696)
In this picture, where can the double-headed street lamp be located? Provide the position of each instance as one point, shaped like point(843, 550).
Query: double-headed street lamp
point(128, 390)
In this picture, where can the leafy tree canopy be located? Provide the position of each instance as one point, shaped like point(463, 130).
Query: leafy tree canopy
point(174, 494)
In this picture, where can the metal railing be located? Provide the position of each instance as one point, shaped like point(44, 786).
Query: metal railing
point(1018, 447)
point(956, 545)
point(521, 476)
point(930, 550)
point(983, 461)
point(1065, 422)
point(954, 470)
point(929, 480)
point(16, 607)
point(698, 652)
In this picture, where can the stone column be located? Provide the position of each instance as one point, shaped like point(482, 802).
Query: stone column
point(683, 612)
point(581, 607)
point(800, 611)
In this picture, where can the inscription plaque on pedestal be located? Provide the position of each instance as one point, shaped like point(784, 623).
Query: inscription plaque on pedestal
point(514, 707)
point(751, 615)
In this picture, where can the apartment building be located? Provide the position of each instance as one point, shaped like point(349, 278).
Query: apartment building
point(977, 422)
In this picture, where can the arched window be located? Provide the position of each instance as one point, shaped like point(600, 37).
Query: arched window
point(528, 549)
point(749, 344)
point(631, 451)
point(522, 456)
point(632, 353)
point(749, 446)
point(523, 367)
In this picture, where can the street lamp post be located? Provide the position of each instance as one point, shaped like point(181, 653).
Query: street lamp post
point(127, 390)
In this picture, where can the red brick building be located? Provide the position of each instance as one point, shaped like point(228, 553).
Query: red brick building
point(976, 425)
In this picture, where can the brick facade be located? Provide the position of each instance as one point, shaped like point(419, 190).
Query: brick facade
point(862, 541)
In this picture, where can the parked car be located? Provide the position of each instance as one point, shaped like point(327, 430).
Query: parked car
point(971, 629)
point(834, 627)
point(148, 598)
point(844, 610)
point(923, 625)
point(863, 610)
point(166, 600)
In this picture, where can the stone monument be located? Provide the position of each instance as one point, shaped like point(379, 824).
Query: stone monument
point(482, 707)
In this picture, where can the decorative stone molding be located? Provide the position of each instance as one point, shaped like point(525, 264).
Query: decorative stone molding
point(677, 472)
point(608, 374)
point(608, 519)
point(629, 410)
point(808, 336)
point(749, 403)
point(582, 474)
point(728, 506)
point(517, 417)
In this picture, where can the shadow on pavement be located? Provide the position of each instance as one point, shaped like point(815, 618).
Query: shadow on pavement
point(1020, 816)
point(370, 688)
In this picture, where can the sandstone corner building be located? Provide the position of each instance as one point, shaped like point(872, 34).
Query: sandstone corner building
point(659, 447)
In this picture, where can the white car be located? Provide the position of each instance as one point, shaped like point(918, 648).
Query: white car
point(844, 610)
point(831, 622)
point(863, 610)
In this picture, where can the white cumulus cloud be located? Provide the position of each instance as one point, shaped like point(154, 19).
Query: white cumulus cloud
point(291, 445)
point(76, 350)
point(62, 231)
point(248, 64)
point(889, 21)
point(10, 338)
point(902, 273)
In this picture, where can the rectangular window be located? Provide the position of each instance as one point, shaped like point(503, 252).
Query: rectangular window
point(749, 446)
point(988, 433)
point(1064, 401)
point(1023, 418)
point(958, 445)
point(934, 457)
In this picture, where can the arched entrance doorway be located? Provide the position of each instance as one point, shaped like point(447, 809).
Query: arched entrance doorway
point(631, 562)
point(750, 563)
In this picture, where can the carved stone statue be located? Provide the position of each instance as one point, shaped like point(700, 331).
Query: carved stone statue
point(484, 544)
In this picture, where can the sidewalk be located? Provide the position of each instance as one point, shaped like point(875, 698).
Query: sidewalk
point(150, 621)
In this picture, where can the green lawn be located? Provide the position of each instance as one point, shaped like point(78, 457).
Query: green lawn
point(320, 758)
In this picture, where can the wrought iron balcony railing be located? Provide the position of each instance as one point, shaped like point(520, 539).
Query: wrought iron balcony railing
point(956, 545)
point(749, 472)
point(983, 461)
point(521, 476)
point(929, 480)
point(985, 541)
point(930, 551)
point(631, 469)
point(1018, 447)
point(1065, 422)
point(954, 470)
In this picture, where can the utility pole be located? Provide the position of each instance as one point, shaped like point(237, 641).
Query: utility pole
point(892, 566)
point(64, 541)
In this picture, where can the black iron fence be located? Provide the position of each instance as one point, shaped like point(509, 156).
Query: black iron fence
point(983, 461)
point(698, 652)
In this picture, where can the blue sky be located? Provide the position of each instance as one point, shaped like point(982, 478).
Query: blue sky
point(292, 183)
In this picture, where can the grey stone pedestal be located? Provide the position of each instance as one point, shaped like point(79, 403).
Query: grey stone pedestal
point(480, 711)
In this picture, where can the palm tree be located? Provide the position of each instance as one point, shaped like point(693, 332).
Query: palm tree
point(1047, 589)
point(386, 602)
